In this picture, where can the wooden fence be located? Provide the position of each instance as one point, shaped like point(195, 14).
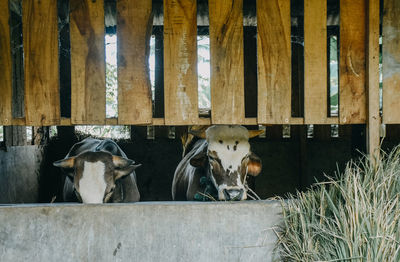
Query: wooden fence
point(358, 69)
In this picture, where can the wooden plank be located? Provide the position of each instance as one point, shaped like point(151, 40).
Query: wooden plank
point(296, 121)
point(5, 66)
point(315, 62)
point(134, 25)
point(274, 62)
point(180, 62)
point(88, 81)
point(374, 121)
point(352, 62)
point(15, 135)
point(391, 62)
point(226, 49)
point(19, 121)
point(40, 37)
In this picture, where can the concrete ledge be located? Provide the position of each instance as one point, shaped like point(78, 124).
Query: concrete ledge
point(144, 231)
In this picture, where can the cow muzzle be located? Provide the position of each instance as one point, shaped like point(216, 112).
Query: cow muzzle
point(236, 194)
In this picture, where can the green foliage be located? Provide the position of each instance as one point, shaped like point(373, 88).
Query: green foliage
point(114, 132)
point(355, 218)
point(111, 90)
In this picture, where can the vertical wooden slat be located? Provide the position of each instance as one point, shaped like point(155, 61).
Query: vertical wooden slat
point(226, 49)
point(88, 81)
point(5, 66)
point(180, 62)
point(391, 62)
point(352, 62)
point(134, 27)
point(374, 122)
point(315, 62)
point(40, 37)
point(274, 62)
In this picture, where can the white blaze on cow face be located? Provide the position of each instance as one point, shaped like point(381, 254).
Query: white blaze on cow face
point(92, 184)
point(230, 144)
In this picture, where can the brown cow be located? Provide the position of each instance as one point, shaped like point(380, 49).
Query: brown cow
point(98, 171)
point(224, 157)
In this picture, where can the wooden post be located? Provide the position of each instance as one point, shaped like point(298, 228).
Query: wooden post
point(315, 61)
point(5, 65)
point(180, 67)
point(15, 135)
point(274, 62)
point(390, 60)
point(226, 49)
point(135, 23)
point(373, 123)
point(352, 62)
point(40, 36)
point(88, 79)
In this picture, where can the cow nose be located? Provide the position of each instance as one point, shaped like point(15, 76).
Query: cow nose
point(233, 194)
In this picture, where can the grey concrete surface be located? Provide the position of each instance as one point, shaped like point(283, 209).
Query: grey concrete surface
point(145, 231)
point(19, 174)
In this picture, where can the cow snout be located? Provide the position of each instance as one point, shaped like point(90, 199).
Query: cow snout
point(233, 194)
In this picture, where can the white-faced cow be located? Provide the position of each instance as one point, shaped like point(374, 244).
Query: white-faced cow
point(224, 157)
point(98, 171)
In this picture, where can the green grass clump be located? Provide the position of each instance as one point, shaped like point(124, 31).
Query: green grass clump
point(354, 218)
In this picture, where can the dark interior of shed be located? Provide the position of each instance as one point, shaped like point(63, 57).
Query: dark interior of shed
point(293, 157)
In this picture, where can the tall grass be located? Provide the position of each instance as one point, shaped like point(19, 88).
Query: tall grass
point(353, 218)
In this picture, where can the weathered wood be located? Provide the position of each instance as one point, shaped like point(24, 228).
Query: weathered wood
point(391, 62)
point(374, 121)
point(315, 62)
point(134, 23)
point(17, 58)
point(19, 169)
point(226, 49)
point(352, 62)
point(15, 136)
point(274, 62)
point(88, 81)
point(180, 62)
point(40, 135)
point(5, 66)
point(40, 35)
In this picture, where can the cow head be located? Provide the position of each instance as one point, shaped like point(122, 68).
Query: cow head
point(228, 160)
point(94, 174)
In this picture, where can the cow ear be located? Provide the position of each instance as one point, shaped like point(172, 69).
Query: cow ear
point(199, 160)
point(121, 162)
point(254, 133)
point(122, 172)
point(254, 165)
point(66, 163)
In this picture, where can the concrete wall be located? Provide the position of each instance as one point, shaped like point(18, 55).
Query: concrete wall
point(19, 174)
point(157, 231)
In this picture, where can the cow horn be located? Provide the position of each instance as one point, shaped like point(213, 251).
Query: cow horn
point(199, 133)
point(65, 163)
point(254, 133)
